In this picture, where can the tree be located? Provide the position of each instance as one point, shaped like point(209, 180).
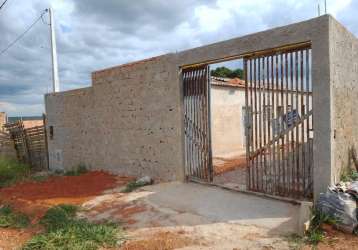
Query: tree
point(226, 72)
point(221, 72)
point(237, 73)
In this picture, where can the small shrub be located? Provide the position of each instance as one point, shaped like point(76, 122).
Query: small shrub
point(131, 186)
point(12, 171)
point(65, 231)
point(8, 218)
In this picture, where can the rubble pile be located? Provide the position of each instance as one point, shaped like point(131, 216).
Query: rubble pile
point(340, 202)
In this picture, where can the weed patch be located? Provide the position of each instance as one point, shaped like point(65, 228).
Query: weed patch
point(315, 233)
point(9, 218)
point(12, 171)
point(64, 231)
point(133, 185)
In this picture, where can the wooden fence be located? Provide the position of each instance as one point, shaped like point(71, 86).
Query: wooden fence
point(30, 144)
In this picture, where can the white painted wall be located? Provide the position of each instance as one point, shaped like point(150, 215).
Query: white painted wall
point(227, 125)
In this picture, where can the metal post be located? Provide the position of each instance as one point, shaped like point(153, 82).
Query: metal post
point(325, 6)
point(55, 78)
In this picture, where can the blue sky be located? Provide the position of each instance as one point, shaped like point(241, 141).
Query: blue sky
point(94, 34)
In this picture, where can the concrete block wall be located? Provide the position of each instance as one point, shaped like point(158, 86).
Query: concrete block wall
point(131, 121)
point(74, 124)
point(344, 94)
point(127, 123)
point(137, 107)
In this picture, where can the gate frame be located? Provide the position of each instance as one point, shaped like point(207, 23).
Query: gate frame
point(209, 168)
point(277, 77)
point(287, 47)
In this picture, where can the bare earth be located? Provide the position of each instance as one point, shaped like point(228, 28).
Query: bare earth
point(167, 216)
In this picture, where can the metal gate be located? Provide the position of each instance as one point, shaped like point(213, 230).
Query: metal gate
point(279, 122)
point(198, 162)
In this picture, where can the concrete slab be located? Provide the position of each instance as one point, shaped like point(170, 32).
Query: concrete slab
point(220, 205)
point(193, 216)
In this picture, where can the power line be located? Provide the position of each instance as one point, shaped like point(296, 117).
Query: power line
point(24, 33)
point(2, 5)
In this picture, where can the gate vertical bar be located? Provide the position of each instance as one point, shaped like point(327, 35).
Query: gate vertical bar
point(208, 106)
point(259, 158)
point(250, 169)
point(303, 127)
point(264, 118)
point(282, 146)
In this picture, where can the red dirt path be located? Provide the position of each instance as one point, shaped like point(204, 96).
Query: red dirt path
point(34, 198)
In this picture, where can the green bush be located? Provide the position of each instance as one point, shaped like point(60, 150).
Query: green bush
point(64, 231)
point(12, 171)
point(8, 218)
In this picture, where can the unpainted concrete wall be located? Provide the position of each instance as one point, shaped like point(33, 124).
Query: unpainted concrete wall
point(136, 118)
point(127, 123)
point(139, 121)
point(344, 87)
point(75, 130)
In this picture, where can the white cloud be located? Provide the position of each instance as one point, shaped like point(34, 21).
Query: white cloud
point(94, 34)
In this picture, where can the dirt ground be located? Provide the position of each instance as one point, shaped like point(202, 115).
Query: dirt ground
point(336, 240)
point(148, 223)
point(222, 165)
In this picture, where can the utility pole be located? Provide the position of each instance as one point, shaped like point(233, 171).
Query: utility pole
point(325, 6)
point(319, 10)
point(55, 78)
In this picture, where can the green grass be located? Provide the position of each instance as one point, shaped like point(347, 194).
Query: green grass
point(315, 234)
point(64, 231)
point(12, 171)
point(80, 169)
point(57, 217)
point(131, 186)
point(11, 219)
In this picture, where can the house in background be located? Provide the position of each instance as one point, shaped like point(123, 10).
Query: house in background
point(227, 119)
point(3, 120)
